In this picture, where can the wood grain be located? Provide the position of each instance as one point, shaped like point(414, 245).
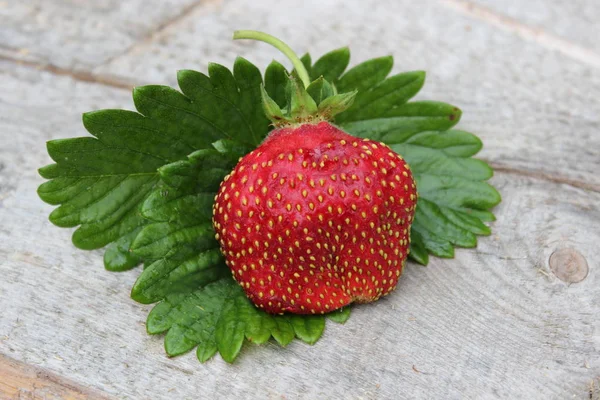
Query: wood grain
point(22, 381)
point(574, 21)
point(78, 35)
point(496, 322)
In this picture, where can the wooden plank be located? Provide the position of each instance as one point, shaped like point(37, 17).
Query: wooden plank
point(571, 21)
point(22, 381)
point(495, 322)
point(534, 108)
point(77, 35)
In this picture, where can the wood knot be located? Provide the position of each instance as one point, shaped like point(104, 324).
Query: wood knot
point(568, 265)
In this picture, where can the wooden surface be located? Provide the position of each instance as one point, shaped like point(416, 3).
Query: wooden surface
point(496, 322)
point(22, 381)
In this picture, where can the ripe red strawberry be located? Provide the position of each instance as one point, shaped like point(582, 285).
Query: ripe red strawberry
point(315, 219)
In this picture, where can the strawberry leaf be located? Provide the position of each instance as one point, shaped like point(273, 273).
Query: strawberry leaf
point(331, 65)
point(101, 182)
point(451, 185)
point(219, 317)
point(308, 328)
point(143, 185)
point(182, 273)
point(276, 78)
point(179, 244)
point(118, 257)
point(340, 316)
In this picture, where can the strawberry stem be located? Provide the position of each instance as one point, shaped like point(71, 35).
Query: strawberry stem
point(278, 44)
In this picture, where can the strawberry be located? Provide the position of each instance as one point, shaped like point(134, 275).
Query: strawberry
point(315, 219)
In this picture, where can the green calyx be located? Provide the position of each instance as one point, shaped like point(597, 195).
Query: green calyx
point(319, 102)
point(306, 102)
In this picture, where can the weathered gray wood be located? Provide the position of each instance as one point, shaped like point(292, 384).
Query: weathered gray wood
point(576, 20)
point(535, 108)
point(495, 322)
point(22, 381)
point(81, 34)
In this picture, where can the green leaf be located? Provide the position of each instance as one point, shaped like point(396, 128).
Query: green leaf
point(331, 65)
point(182, 272)
point(418, 251)
point(144, 185)
point(118, 255)
point(173, 205)
point(281, 330)
point(231, 326)
point(221, 105)
point(276, 78)
point(365, 75)
point(340, 316)
point(404, 121)
point(101, 182)
point(179, 245)
point(206, 350)
point(202, 171)
point(180, 249)
point(219, 317)
point(162, 239)
point(308, 328)
point(380, 100)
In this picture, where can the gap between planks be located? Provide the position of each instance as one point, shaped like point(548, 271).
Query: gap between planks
point(90, 77)
point(536, 35)
point(162, 28)
point(541, 175)
point(81, 76)
point(23, 381)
